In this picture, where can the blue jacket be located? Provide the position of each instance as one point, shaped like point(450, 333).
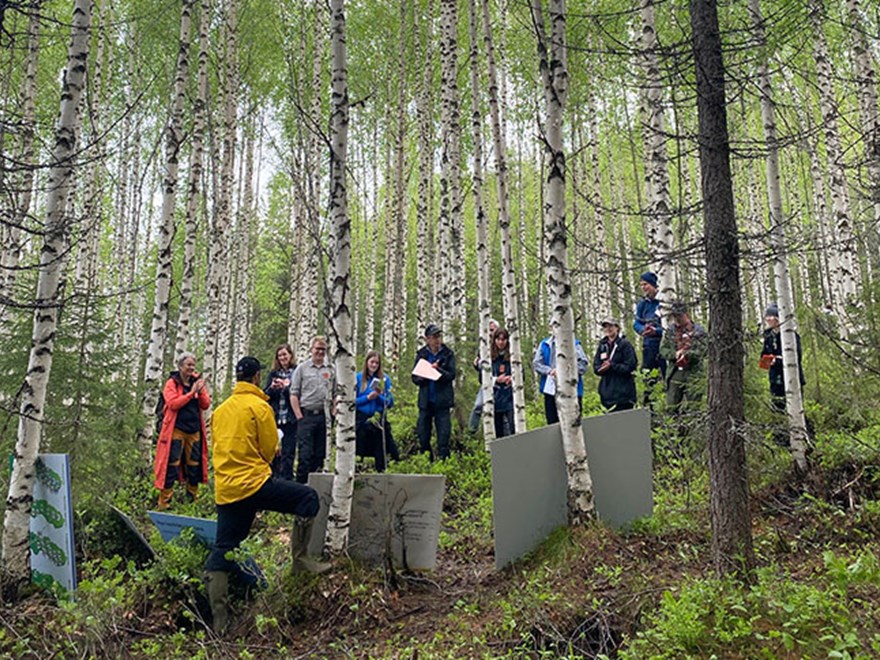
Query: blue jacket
point(544, 358)
point(367, 407)
point(646, 314)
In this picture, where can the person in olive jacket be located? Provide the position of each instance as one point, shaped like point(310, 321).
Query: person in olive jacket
point(615, 362)
point(436, 397)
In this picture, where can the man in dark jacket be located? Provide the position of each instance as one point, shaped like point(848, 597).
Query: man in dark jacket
point(615, 362)
point(436, 396)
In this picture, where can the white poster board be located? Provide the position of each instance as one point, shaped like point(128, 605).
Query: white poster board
point(50, 539)
point(396, 513)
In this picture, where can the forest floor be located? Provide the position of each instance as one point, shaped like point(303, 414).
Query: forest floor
point(585, 592)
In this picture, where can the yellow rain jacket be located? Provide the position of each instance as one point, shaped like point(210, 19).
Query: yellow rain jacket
point(245, 441)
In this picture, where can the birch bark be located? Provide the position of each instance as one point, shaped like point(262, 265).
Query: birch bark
point(339, 517)
point(554, 72)
point(788, 321)
point(483, 261)
point(52, 260)
point(168, 227)
point(508, 272)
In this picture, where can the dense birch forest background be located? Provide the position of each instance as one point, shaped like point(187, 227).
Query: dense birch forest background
point(182, 200)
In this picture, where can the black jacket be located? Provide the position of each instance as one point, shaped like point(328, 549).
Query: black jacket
point(617, 384)
point(275, 396)
point(444, 394)
point(773, 346)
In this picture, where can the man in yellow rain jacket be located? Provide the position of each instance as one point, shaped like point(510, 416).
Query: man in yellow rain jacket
point(245, 442)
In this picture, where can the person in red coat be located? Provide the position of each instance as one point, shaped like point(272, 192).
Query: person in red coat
point(182, 449)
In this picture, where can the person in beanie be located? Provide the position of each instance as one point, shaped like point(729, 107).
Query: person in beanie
point(436, 397)
point(771, 359)
point(245, 443)
point(615, 363)
point(647, 324)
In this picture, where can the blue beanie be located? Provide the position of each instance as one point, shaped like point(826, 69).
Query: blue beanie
point(650, 278)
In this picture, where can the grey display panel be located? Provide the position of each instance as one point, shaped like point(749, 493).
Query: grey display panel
point(529, 479)
point(399, 513)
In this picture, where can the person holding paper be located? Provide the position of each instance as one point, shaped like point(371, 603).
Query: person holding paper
point(544, 364)
point(615, 362)
point(502, 390)
point(277, 388)
point(684, 346)
point(374, 398)
point(434, 373)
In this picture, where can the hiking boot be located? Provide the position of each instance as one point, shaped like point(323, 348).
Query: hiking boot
point(217, 586)
point(300, 536)
point(165, 499)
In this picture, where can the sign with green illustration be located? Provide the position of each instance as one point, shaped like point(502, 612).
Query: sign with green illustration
point(53, 564)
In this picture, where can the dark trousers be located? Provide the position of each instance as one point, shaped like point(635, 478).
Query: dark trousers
point(184, 459)
point(442, 421)
point(504, 423)
point(234, 520)
point(375, 439)
point(282, 466)
point(652, 360)
point(311, 444)
point(550, 408)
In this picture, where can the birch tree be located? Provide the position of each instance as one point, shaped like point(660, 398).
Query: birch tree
point(552, 58)
point(483, 261)
point(732, 549)
point(46, 306)
point(660, 234)
point(788, 321)
point(845, 277)
point(194, 182)
point(343, 484)
point(168, 226)
point(508, 273)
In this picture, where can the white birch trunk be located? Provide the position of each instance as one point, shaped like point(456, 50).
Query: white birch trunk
point(791, 371)
point(339, 517)
point(483, 261)
point(187, 280)
point(866, 81)
point(52, 259)
point(246, 214)
point(847, 264)
point(508, 272)
point(12, 244)
point(216, 360)
point(554, 72)
point(168, 227)
point(424, 273)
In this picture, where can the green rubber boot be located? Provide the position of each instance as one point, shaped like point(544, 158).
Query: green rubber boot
point(300, 536)
point(217, 584)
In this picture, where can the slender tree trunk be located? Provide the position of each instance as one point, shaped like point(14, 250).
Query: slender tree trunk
point(12, 244)
point(508, 272)
point(216, 360)
point(728, 474)
point(168, 227)
point(343, 484)
point(196, 167)
point(483, 260)
point(656, 170)
point(425, 274)
point(554, 72)
point(52, 258)
point(847, 262)
point(246, 213)
point(866, 81)
point(788, 320)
